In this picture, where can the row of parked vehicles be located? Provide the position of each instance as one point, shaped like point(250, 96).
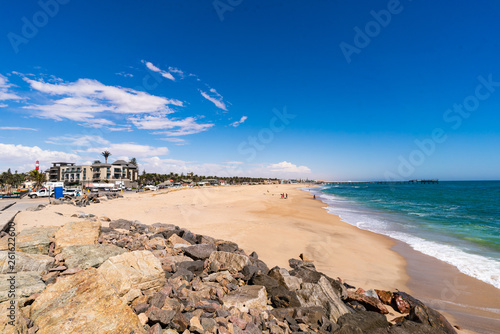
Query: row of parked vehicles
point(44, 192)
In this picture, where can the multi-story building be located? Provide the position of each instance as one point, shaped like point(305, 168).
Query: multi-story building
point(119, 171)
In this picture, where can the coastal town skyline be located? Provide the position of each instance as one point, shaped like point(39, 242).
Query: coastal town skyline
point(326, 90)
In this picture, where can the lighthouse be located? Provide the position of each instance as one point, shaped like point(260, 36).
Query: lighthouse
point(37, 165)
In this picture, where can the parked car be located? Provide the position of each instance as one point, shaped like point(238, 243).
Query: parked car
point(72, 192)
point(41, 193)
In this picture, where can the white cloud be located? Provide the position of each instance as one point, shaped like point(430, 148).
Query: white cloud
point(78, 140)
point(16, 128)
point(3, 105)
point(126, 75)
point(288, 167)
point(177, 141)
point(163, 73)
point(176, 71)
point(241, 121)
point(5, 93)
point(175, 128)
point(20, 155)
point(158, 165)
point(215, 100)
point(84, 99)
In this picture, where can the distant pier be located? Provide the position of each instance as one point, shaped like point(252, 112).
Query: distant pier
point(380, 182)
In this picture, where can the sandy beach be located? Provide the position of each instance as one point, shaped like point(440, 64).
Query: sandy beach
point(278, 229)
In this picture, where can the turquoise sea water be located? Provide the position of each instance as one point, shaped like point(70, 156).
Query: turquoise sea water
point(456, 222)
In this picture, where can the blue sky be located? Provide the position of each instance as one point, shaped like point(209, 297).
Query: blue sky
point(319, 90)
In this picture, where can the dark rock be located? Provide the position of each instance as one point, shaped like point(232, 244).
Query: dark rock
point(407, 327)
point(200, 252)
point(357, 306)
point(203, 239)
point(157, 315)
point(254, 256)
point(263, 268)
point(428, 316)
point(364, 321)
point(252, 328)
point(227, 246)
point(158, 299)
point(370, 303)
point(248, 271)
point(141, 308)
point(221, 313)
point(188, 236)
point(295, 264)
point(121, 224)
point(180, 322)
point(264, 280)
point(184, 273)
point(281, 297)
point(160, 227)
point(307, 275)
point(310, 315)
point(196, 267)
point(208, 324)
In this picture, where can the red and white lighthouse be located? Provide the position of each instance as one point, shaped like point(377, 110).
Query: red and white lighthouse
point(37, 165)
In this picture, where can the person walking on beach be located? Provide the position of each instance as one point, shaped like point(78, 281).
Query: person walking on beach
point(314, 196)
point(286, 196)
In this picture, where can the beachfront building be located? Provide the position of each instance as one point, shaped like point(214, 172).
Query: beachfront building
point(119, 172)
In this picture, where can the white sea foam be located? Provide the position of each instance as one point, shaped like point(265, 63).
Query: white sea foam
point(477, 266)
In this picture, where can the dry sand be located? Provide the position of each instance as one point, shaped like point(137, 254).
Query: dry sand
point(278, 229)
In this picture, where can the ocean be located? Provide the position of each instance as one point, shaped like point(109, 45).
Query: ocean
point(456, 222)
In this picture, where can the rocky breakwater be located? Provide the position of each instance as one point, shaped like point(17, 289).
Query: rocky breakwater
point(159, 278)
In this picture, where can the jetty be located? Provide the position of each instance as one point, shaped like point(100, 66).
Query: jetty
point(357, 183)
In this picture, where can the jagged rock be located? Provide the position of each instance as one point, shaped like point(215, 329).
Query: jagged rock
point(137, 269)
point(176, 240)
point(296, 264)
point(131, 295)
point(157, 315)
point(203, 239)
point(281, 297)
point(196, 267)
point(312, 276)
point(86, 256)
point(371, 303)
point(188, 236)
point(121, 224)
point(384, 296)
point(11, 321)
point(25, 262)
point(35, 240)
point(77, 233)
point(264, 280)
point(248, 296)
point(430, 317)
point(227, 246)
point(230, 261)
point(67, 306)
point(200, 252)
point(322, 294)
point(180, 322)
point(209, 325)
point(408, 327)
point(400, 304)
point(361, 322)
point(26, 284)
point(195, 325)
point(160, 227)
point(284, 278)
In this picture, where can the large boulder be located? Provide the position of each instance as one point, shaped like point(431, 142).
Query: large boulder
point(247, 297)
point(427, 316)
point(361, 322)
point(322, 294)
point(83, 303)
point(284, 278)
point(77, 233)
point(11, 320)
point(138, 269)
point(35, 240)
point(86, 256)
point(370, 303)
point(230, 261)
point(22, 284)
point(25, 262)
point(200, 252)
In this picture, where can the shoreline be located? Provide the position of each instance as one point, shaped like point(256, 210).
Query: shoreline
point(258, 220)
point(466, 301)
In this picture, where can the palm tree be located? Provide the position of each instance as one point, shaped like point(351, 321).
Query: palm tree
point(106, 155)
point(37, 177)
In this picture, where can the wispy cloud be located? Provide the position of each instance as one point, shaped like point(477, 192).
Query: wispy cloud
point(238, 123)
point(5, 92)
point(182, 127)
point(16, 128)
point(126, 75)
point(216, 98)
point(163, 73)
point(288, 167)
point(177, 141)
point(84, 99)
